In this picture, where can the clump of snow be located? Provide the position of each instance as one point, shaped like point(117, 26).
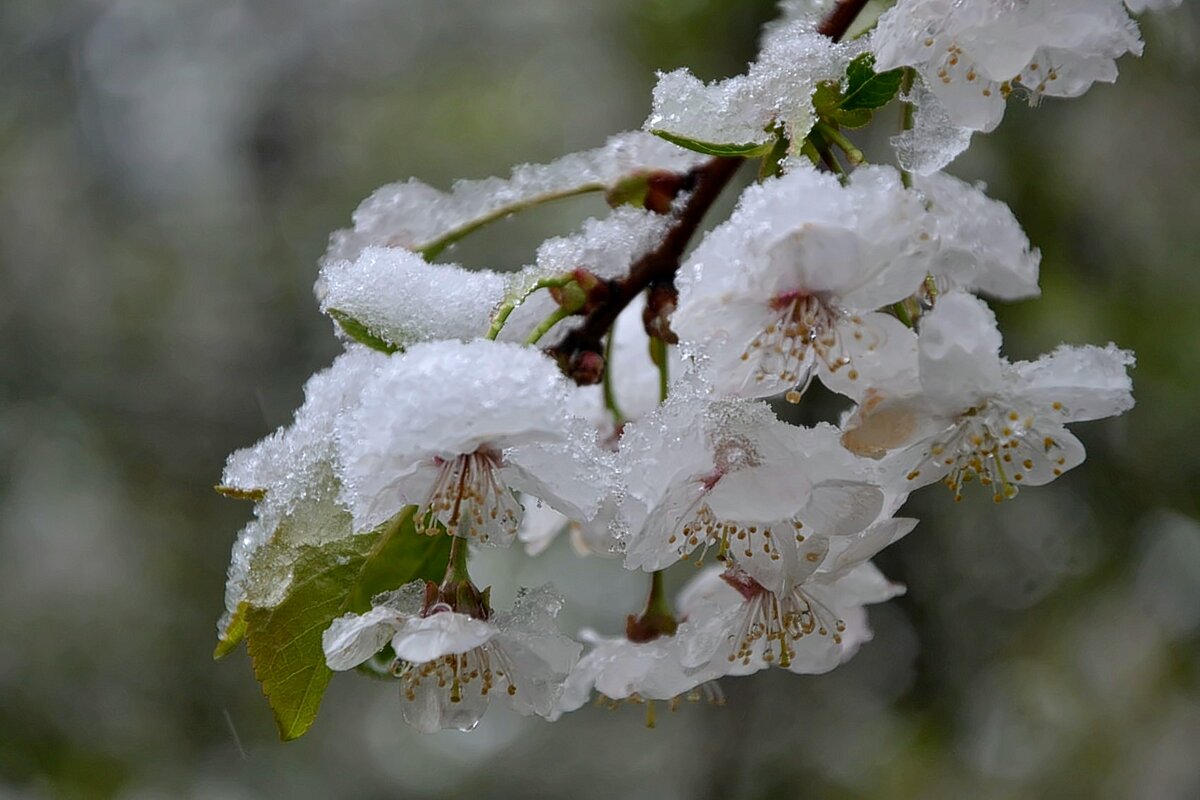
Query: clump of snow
point(414, 215)
point(934, 140)
point(403, 299)
point(292, 471)
point(776, 90)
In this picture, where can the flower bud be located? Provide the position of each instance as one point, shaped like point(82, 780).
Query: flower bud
point(660, 305)
point(582, 294)
point(586, 367)
point(654, 191)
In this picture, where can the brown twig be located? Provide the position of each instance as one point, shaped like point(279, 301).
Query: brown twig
point(580, 352)
point(840, 18)
point(581, 346)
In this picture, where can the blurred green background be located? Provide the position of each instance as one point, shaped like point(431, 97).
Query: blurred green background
point(168, 175)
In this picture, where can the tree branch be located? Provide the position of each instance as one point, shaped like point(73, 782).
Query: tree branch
point(580, 352)
point(659, 265)
point(840, 18)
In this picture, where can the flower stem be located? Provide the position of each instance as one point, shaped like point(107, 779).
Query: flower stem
point(660, 356)
point(657, 620)
point(508, 306)
point(610, 396)
point(456, 565)
point(836, 137)
point(906, 117)
point(549, 322)
point(657, 602)
point(431, 249)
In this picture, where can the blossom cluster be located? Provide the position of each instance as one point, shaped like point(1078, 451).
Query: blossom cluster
point(473, 406)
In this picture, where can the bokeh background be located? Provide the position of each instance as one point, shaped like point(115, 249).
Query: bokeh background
point(168, 175)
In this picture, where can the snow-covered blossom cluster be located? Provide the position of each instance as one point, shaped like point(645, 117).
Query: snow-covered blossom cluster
point(620, 387)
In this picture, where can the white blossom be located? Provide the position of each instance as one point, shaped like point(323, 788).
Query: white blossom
point(540, 526)
point(737, 626)
point(974, 53)
point(729, 474)
point(485, 439)
point(450, 663)
point(634, 376)
point(967, 413)
point(981, 247)
point(620, 669)
point(789, 285)
point(455, 427)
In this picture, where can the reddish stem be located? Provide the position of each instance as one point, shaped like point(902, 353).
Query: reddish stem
point(840, 18)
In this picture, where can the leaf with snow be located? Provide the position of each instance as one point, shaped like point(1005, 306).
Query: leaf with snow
point(866, 88)
point(327, 581)
point(418, 217)
point(743, 114)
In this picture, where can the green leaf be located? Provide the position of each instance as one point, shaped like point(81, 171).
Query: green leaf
point(866, 88)
point(826, 98)
point(234, 632)
point(772, 164)
point(855, 118)
point(329, 580)
point(751, 150)
point(361, 333)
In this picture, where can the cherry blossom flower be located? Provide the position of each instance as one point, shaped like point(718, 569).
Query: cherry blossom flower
point(974, 53)
point(454, 428)
point(620, 669)
point(737, 626)
point(981, 247)
point(966, 413)
point(790, 283)
point(451, 663)
point(729, 474)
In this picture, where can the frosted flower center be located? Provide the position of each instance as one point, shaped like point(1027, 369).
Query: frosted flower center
point(743, 541)
point(774, 623)
point(480, 670)
point(804, 330)
point(997, 447)
point(951, 65)
point(699, 526)
point(731, 453)
point(470, 500)
point(708, 692)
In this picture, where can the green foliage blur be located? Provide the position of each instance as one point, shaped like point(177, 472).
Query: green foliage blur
point(169, 173)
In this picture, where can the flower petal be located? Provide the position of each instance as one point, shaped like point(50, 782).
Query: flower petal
point(354, 638)
point(1073, 384)
point(959, 347)
point(422, 639)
